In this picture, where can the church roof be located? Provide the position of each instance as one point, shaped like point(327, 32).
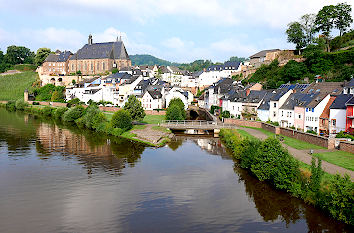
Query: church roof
point(112, 50)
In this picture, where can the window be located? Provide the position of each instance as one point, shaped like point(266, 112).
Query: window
point(275, 105)
point(307, 109)
point(91, 66)
point(299, 116)
point(313, 109)
point(289, 114)
point(72, 67)
point(274, 114)
point(334, 122)
point(282, 113)
point(103, 65)
point(98, 66)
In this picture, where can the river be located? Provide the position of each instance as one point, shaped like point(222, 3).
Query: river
point(57, 178)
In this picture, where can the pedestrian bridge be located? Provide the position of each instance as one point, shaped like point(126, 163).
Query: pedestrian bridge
point(197, 125)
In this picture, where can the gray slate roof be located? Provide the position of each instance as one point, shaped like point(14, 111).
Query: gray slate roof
point(112, 50)
point(61, 57)
point(340, 101)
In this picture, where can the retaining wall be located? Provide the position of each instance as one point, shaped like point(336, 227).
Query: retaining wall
point(238, 122)
point(347, 146)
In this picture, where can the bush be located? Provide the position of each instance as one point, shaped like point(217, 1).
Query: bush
point(311, 132)
point(134, 107)
point(11, 105)
point(341, 134)
point(47, 111)
point(46, 92)
point(73, 114)
point(73, 102)
point(174, 113)
point(35, 103)
point(121, 119)
point(21, 105)
point(57, 96)
point(179, 103)
point(213, 108)
point(93, 117)
point(225, 114)
point(59, 112)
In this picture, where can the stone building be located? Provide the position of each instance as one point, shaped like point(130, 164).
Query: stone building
point(56, 63)
point(98, 58)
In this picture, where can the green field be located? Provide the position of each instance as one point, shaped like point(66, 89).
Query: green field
point(153, 119)
point(340, 158)
point(13, 86)
point(245, 134)
point(295, 143)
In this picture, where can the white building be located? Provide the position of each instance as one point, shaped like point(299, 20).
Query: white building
point(152, 99)
point(313, 112)
point(337, 114)
point(177, 92)
point(276, 102)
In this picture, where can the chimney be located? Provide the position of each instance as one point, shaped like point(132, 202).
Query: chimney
point(90, 39)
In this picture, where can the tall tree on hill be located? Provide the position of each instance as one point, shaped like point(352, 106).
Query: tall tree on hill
point(296, 35)
point(342, 17)
point(324, 20)
point(1, 56)
point(41, 55)
point(19, 55)
point(308, 24)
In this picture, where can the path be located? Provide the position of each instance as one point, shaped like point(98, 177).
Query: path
point(303, 155)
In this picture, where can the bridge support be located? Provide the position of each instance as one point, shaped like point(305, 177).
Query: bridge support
point(216, 133)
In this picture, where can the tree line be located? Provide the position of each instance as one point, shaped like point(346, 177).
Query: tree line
point(302, 32)
point(21, 55)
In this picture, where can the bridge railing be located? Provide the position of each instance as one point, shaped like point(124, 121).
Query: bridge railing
point(196, 123)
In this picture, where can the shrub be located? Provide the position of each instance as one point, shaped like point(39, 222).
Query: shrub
point(59, 112)
point(134, 107)
point(341, 134)
point(174, 113)
point(225, 114)
point(179, 103)
point(311, 132)
point(57, 96)
point(73, 102)
point(21, 105)
point(35, 103)
point(93, 117)
point(73, 114)
point(121, 119)
point(11, 105)
point(213, 108)
point(47, 111)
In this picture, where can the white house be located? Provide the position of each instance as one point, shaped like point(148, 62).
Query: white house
point(177, 92)
point(337, 114)
point(276, 102)
point(313, 112)
point(152, 99)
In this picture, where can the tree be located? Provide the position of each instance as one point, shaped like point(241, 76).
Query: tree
point(180, 104)
point(19, 55)
point(342, 17)
point(122, 120)
point(41, 55)
point(324, 20)
point(134, 108)
point(308, 24)
point(1, 56)
point(174, 113)
point(296, 35)
point(293, 71)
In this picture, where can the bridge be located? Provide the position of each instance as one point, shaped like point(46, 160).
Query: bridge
point(196, 125)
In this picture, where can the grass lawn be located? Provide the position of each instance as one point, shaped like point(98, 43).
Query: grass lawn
point(340, 158)
point(326, 176)
point(13, 86)
point(160, 128)
point(153, 119)
point(245, 134)
point(295, 143)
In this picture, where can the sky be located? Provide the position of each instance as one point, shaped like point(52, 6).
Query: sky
point(174, 30)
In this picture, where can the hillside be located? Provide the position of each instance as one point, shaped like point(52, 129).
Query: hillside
point(13, 86)
point(145, 59)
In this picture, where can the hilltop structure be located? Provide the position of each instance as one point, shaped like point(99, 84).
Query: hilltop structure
point(98, 58)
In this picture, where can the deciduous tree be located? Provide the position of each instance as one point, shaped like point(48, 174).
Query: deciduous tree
point(342, 17)
point(41, 55)
point(134, 107)
point(296, 35)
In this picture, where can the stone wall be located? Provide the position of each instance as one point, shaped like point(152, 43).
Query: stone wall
point(239, 122)
point(307, 137)
point(269, 127)
point(347, 146)
point(154, 112)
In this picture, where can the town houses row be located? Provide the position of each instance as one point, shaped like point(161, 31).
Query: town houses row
point(323, 107)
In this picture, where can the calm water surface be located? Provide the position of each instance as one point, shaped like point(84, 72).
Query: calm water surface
point(60, 179)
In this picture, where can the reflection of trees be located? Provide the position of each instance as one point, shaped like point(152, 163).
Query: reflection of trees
point(92, 150)
point(16, 131)
point(273, 204)
point(174, 144)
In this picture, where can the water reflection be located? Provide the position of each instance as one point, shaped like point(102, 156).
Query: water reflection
point(188, 186)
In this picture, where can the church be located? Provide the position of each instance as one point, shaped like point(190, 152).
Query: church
point(98, 58)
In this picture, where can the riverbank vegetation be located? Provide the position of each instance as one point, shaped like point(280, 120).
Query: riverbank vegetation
point(270, 162)
point(340, 158)
point(90, 117)
point(175, 110)
point(13, 86)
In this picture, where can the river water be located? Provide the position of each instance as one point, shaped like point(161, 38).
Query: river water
point(61, 179)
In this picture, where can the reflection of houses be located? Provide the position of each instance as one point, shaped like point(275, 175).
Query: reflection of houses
point(93, 151)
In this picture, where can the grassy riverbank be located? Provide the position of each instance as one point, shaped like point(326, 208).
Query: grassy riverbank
point(269, 161)
point(340, 158)
point(92, 118)
point(13, 86)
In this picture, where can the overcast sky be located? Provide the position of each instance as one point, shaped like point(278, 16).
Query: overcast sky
point(176, 30)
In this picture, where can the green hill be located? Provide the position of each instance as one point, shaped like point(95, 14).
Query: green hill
point(145, 59)
point(13, 86)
